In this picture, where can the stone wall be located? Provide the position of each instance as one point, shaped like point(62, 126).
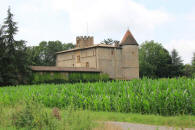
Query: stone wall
point(79, 58)
point(130, 61)
point(119, 63)
point(109, 61)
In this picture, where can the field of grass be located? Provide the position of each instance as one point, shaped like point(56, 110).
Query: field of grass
point(146, 96)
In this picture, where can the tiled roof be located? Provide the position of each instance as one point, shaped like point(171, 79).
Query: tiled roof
point(128, 39)
point(94, 46)
point(62, 69)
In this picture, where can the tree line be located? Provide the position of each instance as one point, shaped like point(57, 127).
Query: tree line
point(16, 57)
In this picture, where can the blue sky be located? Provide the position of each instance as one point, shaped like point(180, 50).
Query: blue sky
point(170, 22)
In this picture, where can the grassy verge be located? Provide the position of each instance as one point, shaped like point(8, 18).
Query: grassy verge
point(183, 121)
point(33, 115)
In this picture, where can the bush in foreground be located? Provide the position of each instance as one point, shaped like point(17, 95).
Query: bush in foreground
point(34, 116)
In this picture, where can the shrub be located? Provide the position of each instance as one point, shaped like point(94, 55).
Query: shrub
point(33, 116)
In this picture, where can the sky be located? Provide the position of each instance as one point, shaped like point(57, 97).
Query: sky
point(169, 22)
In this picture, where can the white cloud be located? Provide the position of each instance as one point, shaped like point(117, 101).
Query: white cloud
point(191, 16)
point(106, 16)
point(185, 48)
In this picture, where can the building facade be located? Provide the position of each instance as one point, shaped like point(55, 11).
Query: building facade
point(118, 61)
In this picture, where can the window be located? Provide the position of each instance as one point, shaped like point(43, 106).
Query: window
point(87, 64)
point(78, 59)
point(112, 52)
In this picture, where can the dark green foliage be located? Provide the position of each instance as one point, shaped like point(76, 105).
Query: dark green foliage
point(13, 56)
point(2, 51)
point(47, 77)
point(86, 77)
point(177, 65)
point(33, 116)
point(45, 53)
point(154, 60)
point(188, 71)
point(110, 41)
point(193, 64)
point(57, 77)
point(8, 59)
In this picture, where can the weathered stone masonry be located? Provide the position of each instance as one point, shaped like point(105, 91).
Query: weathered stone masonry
point(119, 62)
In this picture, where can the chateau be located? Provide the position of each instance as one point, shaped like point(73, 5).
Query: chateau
point(119, 61)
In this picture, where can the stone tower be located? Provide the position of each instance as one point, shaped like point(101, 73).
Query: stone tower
point(84, 41)
point(130, 57)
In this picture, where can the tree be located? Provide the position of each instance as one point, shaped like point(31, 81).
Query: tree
point(188, 70)
point(154, 60)
point(8, 61)
point(193, 63)
point(22, 62)
point(13, 64)
point(2, 46)
point(45, 53)
point(177, 65)
point(110, 41)
point(176, 59)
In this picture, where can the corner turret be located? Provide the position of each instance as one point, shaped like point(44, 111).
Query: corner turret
point(130, 57)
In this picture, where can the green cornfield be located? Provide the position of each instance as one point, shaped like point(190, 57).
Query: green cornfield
point(146, 96)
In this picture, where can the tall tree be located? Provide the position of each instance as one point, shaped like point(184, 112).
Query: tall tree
point(154, 60)
point(2, 46)
point(9, 70)
point(177, 65)
point(176, 59)
point(13, 61)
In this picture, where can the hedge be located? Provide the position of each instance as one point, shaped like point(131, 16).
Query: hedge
point(59, 77)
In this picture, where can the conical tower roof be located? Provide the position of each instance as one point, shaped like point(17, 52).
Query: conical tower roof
point(128, 39)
